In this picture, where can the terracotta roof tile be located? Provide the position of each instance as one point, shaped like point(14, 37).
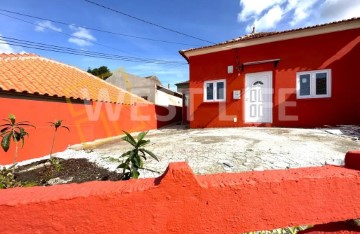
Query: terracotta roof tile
point(33, 74)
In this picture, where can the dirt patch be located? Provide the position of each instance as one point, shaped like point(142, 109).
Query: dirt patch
point(210, 140)
point(72, 171)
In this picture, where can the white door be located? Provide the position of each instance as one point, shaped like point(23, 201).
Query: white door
point(258, 97)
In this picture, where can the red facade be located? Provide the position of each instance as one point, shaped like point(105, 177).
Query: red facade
point(339, 52)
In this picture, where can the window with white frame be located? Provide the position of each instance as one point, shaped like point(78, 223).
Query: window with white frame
point(313, 84)
point(215, 91)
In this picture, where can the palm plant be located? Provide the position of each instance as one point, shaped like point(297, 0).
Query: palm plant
point(13, 131)
point(134, 160)
point(57, 124)
point(54, 162)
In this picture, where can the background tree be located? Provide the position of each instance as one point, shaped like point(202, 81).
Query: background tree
point(102, 72)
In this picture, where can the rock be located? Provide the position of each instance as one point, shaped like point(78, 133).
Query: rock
point(58, 180)
point(334, 131)
point(226, 163)
point(335, 162)
point(259, 168)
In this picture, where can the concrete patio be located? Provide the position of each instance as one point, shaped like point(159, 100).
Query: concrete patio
point(231, 149)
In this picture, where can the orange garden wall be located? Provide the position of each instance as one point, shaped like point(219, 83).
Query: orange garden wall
point(87, 122)
point(180, 202)
point(339, 51)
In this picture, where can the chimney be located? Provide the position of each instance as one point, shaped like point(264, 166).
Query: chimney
point(253, 30)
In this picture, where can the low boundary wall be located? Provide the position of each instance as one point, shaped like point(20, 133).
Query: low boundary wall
point(181, 202)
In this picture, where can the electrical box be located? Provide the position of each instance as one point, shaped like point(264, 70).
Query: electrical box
point(236, 94)
point(230, 69)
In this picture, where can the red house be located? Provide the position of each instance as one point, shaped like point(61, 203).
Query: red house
point(304, 77)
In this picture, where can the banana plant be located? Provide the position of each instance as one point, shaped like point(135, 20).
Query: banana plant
point(57, 124)
point(13, 131)
point(134, 158)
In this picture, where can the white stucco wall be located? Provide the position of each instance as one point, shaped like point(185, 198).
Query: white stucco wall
point(164, 99)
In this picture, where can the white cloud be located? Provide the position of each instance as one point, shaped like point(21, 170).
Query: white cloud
point(81, 36)
point(268, 21)
point(5, 47)
point(302, 11)
point(82, 33)
point(268, 14)
point(45, 24)
point(333, 10)
point(79, 42)
point(253, 8)
point(291, 4)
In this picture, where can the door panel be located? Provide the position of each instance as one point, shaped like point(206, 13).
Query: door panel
point(258, 97)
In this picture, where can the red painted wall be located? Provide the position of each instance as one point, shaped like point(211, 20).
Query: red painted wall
point(180, 202)
point(338, 51)
point(109, 120)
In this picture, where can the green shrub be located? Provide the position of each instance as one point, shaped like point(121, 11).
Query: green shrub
point(7, 178)
point(134, 158)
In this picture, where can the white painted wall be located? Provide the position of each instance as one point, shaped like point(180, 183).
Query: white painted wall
point(164, 99)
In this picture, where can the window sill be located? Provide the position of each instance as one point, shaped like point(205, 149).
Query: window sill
point(312, 98)
point(215, 101)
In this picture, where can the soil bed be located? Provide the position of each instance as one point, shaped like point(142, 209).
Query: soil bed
point(77, 170)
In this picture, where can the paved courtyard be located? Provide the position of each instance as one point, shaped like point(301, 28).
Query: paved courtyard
point(233, 149)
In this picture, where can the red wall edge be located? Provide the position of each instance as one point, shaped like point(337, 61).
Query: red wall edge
point(87, 122)
point(352, 159)
point(180, 202)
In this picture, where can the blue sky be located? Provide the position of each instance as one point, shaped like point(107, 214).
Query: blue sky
point(211, 20)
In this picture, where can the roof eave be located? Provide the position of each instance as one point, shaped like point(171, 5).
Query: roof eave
point(286, 35)
point(182, 52)
point(182, 83)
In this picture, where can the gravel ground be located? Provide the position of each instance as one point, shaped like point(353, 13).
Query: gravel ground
point(231, 149)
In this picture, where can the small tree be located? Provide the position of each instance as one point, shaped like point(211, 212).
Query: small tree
point(134, 160)
point(14, 131)
point(57, 124)
point(55, 163)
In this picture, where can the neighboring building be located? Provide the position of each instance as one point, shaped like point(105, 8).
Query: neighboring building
point(154, 79)
point(167, 97)
point(41, 90)
point(183, 88)
point(304, 77)
point(149, 88)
